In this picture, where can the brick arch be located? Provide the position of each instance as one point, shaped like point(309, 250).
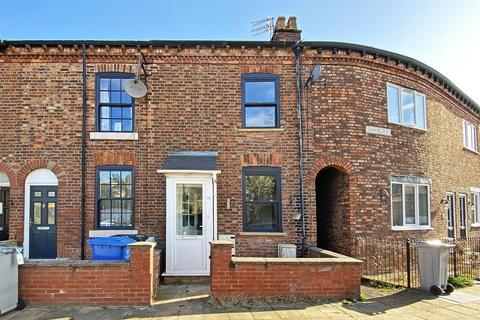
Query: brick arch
point(329, 161)
point(40, 164)
point(12, 176)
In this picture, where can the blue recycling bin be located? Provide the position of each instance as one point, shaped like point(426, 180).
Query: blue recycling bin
point(111, 248)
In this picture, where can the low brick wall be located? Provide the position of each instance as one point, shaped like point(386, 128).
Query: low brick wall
point(330, 275)
point(91, 282)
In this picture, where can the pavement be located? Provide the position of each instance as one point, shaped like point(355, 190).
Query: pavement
point(192, 301)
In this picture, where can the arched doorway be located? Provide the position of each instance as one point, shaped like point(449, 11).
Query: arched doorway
point(332, 209)
point(4, 205)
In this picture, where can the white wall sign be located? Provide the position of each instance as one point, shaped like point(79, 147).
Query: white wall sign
point(378, 130)
point(1, 207)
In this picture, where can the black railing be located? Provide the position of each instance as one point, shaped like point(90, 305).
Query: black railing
point(395, 261)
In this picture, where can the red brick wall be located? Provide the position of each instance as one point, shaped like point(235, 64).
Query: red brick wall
point(309, 278)
point(90, 283)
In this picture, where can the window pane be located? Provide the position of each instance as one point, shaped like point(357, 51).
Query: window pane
point(423, 205)
point(104, 97)
point(105, 211)
point(393, 105)
point(408, 107)
point(37, 213)
point(116, 212)
point(126, 98)
point(127, 206)
point(420, 110)
point(115, 97)
point(115, 191)
point(51, 213)
point(115, 84)
point(259, 91)
point(189, 209)
point(126, 177)
point(127, 113)
point(105, 191)
point(115, 177)
point(476, 207)
point(126, 191)
point(126, 125)
point(397, 205)
point(260, 188)
point(105, 112)
point(104, 177)
point(105, 220)
point(117, 112)
point(104, 84)
point(116, 125)
point(262, 216)
point(127, 219)
point(260, 117)
point(105, 125)
point(409, 205)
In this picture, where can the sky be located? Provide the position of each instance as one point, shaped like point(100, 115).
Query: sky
point(444, 34)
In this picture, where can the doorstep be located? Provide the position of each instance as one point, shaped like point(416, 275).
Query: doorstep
point(181, 279)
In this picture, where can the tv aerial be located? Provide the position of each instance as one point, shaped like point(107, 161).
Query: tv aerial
point(315, 74)
point(260, 27)
point(135, 88)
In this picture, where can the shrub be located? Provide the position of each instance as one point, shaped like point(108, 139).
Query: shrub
point(461, 281)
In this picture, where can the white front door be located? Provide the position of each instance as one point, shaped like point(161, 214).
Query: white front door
point(189, 225)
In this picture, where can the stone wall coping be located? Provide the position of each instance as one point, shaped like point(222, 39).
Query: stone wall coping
point(74, 263)
point(142, 244)
point(221, 243)
point(252, 260)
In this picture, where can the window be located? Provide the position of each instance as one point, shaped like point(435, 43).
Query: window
point(410, 205)
point(261, 199)
point(114, 105)
point(469, 136)
point(114, 196)
point(260, 101)
point(406, 107)
point(476, 207)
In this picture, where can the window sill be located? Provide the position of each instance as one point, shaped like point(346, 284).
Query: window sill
point(253, 130)
point(472, 151)
point(113, 136)
point(109, 233)
point(261, 234)
point(475, 225)
point(411, 228)
point(407, 126)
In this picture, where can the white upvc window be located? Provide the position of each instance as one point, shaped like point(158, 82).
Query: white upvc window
point(470, 136)
point(410, 205)
point(476, 208)
point(406, 107)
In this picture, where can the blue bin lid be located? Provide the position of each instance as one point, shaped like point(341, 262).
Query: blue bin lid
point(111, 241)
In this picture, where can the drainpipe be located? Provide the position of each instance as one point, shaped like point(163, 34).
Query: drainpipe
point(84, 145)
point(297, 49)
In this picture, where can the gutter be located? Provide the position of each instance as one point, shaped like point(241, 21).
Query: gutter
point(84, 146)
point(297, 49)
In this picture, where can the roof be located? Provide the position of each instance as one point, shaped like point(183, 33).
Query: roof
point(204, 161)
point(319, 45)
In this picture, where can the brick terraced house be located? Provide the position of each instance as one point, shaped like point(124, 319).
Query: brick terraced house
point(389, 146)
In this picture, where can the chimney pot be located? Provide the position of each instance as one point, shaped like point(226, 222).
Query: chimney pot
point(288, 32)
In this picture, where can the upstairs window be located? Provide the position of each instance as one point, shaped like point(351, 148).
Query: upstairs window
point(410, 205)
point(260, 99)
point(262, 201)
point(406, 107)
point(470, 136)
point(114, 189)
point(114, 105)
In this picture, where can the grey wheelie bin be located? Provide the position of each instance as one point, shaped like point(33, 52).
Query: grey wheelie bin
point(433, 266)
point(9, 278)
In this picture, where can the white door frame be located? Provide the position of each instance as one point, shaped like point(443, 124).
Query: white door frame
point(209, 181)
point(38, 177)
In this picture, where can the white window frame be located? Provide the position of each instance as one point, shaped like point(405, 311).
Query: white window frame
point(475, 194)
point(417, 225)
point(470, 136)
point(402, 90)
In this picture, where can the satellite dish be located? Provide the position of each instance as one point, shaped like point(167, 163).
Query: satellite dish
point(135, 88)
point(315, 73)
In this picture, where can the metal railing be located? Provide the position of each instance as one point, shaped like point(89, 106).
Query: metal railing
point(395, 261)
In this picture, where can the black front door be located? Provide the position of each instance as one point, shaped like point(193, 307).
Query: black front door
point(43, 222)
point(4, 212)
point(463, 216)
point(451, 215)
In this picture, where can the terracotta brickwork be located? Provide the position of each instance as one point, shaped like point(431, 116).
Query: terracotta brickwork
point(194, 104)
point(92, 283)
point(274, 277)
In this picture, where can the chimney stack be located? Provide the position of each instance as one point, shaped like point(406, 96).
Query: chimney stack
point(287, 32)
